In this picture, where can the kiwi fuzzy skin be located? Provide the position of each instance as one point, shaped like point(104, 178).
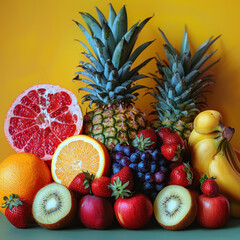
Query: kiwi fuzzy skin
point(66, 221)
point(189, 218)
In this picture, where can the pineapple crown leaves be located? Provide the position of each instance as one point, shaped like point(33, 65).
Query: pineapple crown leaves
point(109, 73)
point(188, 172)
point(142, 143)
point(180, 93)
point(119, 189)
point(203, 179)
point(12, 201)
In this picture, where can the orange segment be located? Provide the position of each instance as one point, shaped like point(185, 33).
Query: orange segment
point(77, 154)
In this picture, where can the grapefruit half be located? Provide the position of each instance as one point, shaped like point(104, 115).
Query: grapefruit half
point(41, 118)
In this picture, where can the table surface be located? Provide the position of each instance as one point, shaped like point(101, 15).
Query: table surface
point(151, 232)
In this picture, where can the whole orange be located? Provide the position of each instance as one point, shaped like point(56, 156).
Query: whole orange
point(23, 174)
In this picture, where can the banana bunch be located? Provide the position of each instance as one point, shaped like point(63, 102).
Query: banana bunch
point(212, 154)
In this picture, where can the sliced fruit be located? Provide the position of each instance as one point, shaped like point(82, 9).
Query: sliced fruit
point(41, 118)
point(77, 154)
point(23, 174)
point(54, 206)
point(175, 208)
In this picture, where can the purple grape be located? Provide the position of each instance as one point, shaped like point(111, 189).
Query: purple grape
point(125, 161)
point(133, 166)
point(119, 147)
point(128, 150)
point(116, 169)
point(146, 156)
point(159, 177)
point(135, 158)
point(115, 164)
point(141, 176)
point(163, 169)
point(159, 187)
point(156, 155)
point(147, 186)
point(118, 156)
point(150, 151)
point(154, 167)
point(143, 167)
point(162, 162)
point(149, 177)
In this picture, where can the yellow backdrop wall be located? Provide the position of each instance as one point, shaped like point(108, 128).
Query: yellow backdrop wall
point(37, 46)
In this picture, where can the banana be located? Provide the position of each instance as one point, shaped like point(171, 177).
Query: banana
point(208, 121)
point(202, 154)
point(227, 177)
point(196, 137)
point(212, 154)
point(233, 157)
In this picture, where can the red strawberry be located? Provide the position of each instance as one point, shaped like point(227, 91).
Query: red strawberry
point(172, 138)
point(176, 164)
point(181, 175)
point(145, 139)
point(17, 211)
point(122, 183)
point(81, 184)
point(196, 179)
point(172, 152)
point(209, 186)
point(163, 130)
point(100, 187)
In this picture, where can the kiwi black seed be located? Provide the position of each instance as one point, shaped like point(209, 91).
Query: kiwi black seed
point(54, 206)
point(174, 207)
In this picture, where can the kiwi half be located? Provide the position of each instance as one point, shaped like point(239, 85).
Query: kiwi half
point(175, 208)
point(54, 206)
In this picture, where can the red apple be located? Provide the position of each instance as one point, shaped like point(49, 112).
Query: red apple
point(213, 212)
point(134, 212)
point(95, 212)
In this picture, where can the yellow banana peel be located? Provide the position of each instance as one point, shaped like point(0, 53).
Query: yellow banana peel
point(212, 154)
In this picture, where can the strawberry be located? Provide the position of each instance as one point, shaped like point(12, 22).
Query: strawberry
point(181, 175)
point(196, 179)
point(17, 211)
point(172, 138)
point(100, 187)
point(163, 130)
point(122, 183)
point(175, 164)
point(209, 186)
point(145, 139)
point(172, 152)
point(81, 184)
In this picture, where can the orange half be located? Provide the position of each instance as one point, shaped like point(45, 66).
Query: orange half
point(76, 154)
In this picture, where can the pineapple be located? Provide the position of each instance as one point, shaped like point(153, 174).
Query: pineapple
point(111, 78)
point(180, 93)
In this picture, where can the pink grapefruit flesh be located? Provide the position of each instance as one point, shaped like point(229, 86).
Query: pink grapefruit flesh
point(41, 118)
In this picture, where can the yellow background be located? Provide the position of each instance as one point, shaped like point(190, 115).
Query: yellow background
point(37, 46)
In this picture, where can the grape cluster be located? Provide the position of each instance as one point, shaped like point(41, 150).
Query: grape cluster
point(150, 168)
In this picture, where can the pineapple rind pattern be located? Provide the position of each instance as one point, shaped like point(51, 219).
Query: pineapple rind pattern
point(112, 81)
point(118, 130)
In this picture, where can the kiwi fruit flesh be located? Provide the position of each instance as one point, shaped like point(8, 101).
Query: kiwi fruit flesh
point(54, 206)
point(175, 208)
